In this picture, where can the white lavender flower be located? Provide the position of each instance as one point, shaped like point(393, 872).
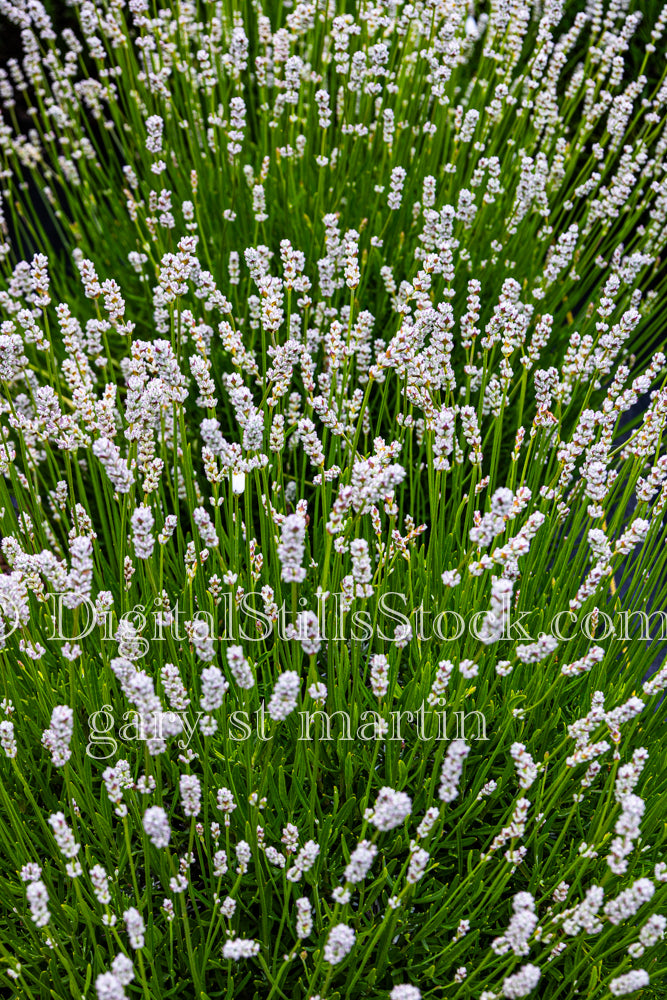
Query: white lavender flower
point(190, 794)
point(398, 176)
point(626, 904)
point(304, 920)
point(521, 927)
point(653, 930)
point(134, 925)
point(38, 900)
point(360, 862)
point(243, 856)
point(142, 532)
point(237, 948)
point(522, 982)
point(31, 872)
point(58, 737)
point(379, 675)
point(418, 862)
point(116, 468)
point(452, 768)
point(239, 667)
point(284, 697)
point(304, 861)
point(64, 837)
point(627, 829)
point(631, 981)
point(290, 838)
point(391, 809)
point(156, 825)
point(339, 944)
point(123, 969)
point(174, 688)
point(318, 692)
point(7, 738)
point(206, 528)
point(291, 549)
point(584, 915)
point(116, 780)
point(428, 822)
point(226, 804)
point(526, 769)
point(154, 128)
point(100, 881)
point(109, 987)
point(214, 687)
point(80, 578)
point(220, 866)
point(404, 991)
point(362, 571)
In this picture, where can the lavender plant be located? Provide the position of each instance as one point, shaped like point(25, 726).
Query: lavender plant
point(334, 547)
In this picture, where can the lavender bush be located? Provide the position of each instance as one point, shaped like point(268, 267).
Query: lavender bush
point(334, 549)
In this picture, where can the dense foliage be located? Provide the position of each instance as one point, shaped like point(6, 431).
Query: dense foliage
point(333, 541)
